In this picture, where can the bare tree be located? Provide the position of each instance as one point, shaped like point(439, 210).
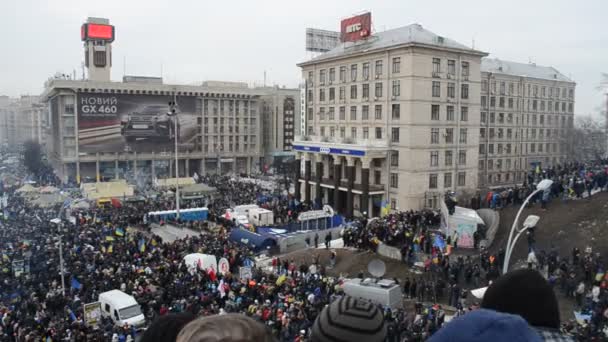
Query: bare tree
point(587, 139)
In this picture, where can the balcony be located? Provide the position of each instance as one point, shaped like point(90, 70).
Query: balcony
point(341, 146)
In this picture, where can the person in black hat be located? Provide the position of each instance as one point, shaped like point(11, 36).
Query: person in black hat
point(349, 319)
point(526, 293)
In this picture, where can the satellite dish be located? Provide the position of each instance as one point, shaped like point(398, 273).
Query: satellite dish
point(376, 267)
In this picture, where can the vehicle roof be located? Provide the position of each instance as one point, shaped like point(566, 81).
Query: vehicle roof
point(115, 296)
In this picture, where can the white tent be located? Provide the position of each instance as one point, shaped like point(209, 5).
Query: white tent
point(464, 221)
point(27, 188)
point(206, 261)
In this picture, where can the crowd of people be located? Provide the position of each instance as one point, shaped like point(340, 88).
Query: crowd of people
point(105, 248)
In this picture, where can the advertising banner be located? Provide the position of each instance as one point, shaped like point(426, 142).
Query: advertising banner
point(134, 123)
point(356, 28)
point(92, 314)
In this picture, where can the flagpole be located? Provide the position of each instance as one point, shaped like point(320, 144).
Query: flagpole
point(61, 262)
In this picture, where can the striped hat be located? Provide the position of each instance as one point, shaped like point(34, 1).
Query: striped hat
point(348, 319)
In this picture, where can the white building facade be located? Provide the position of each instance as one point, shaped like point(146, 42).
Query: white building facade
point(390, 121)
point(526, 112)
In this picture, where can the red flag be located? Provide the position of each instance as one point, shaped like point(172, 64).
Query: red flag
point(211, 274)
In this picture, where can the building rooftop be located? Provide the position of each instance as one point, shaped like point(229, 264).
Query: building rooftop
point(497, 66)
point(413, 34)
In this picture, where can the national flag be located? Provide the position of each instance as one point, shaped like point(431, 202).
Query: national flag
point(109, 238)
point(72, 315)
point(142, 245)
point(537, 168)
point(110, 249)
point(119, 232)
point(76, 284)
point(153, 242)
point(211, 273)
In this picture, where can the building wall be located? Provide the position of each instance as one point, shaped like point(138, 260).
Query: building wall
point(414, 100)
point(229, 137)
point(537, 135)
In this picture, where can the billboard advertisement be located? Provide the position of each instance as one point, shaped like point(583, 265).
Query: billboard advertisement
point(356, 28)
point(321, 40)
point(135, 123)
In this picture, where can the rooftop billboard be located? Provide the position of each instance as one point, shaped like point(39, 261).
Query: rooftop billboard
point(134, 123)
point(356, 28)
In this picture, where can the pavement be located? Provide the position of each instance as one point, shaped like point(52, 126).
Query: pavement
point(170, 233)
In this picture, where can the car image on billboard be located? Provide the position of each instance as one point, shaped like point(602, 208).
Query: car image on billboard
point(134, 123)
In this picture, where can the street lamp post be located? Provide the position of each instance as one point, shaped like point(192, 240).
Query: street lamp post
point(173, 114)
point(542, 186)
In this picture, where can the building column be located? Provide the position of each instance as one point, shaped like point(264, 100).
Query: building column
point(365, 164)
point(116, 166)
point(78, 172)
point(307, 172)
point(319, 174)
point(350, 182)
point(97, 176)
point(297, 186)
point(187, 161)
point(202, 167)
point(152, 167)
point(248, 166)
point(337, 178)
point(171, 162)
point(135, 164)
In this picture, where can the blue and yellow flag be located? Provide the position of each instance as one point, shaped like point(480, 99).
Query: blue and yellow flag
point(119, 232)
point(142, 245)
point(153, 242)
point(109, 238)
point(110, 249)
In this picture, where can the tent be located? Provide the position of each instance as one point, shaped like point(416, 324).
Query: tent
point(252, 240)
point(194, 191)
point(27, 188)
point(464, 221)
point(171, 182)
point(206, 261)
point(118, 189)
point(48, 190)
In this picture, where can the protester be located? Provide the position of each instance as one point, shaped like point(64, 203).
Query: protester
point(225, 328)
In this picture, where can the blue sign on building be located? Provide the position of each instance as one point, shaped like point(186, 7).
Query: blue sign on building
point(329, 150)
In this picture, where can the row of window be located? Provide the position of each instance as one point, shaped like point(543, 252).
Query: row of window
point(448, 135)
point(507, 148)
point(532, 90)
point(330, 114)
point(353, 94)
point(498, 163)
point(451, 67)
point(449, 112)
point(447, 160)
point(534, 117)
point(530, 133)
point(534, 105)
point(329, 75)
point(447, 180)
point(365, 133)
point(451, 90)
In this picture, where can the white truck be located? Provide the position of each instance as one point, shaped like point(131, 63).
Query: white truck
point(261, 217)
point(122, 309)
point(385, 292)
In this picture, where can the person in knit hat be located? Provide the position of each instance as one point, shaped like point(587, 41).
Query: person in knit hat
point(349, 319)
point(486, 325)
point(526, 293)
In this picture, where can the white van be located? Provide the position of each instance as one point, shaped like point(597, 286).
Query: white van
point(384, 291)
point(122, 309)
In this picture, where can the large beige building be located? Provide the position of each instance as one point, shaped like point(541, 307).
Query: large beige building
point(390, 119)
point(102, 129)
point(526, 111)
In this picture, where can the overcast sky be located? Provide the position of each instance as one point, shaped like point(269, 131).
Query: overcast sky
point(196, 40)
